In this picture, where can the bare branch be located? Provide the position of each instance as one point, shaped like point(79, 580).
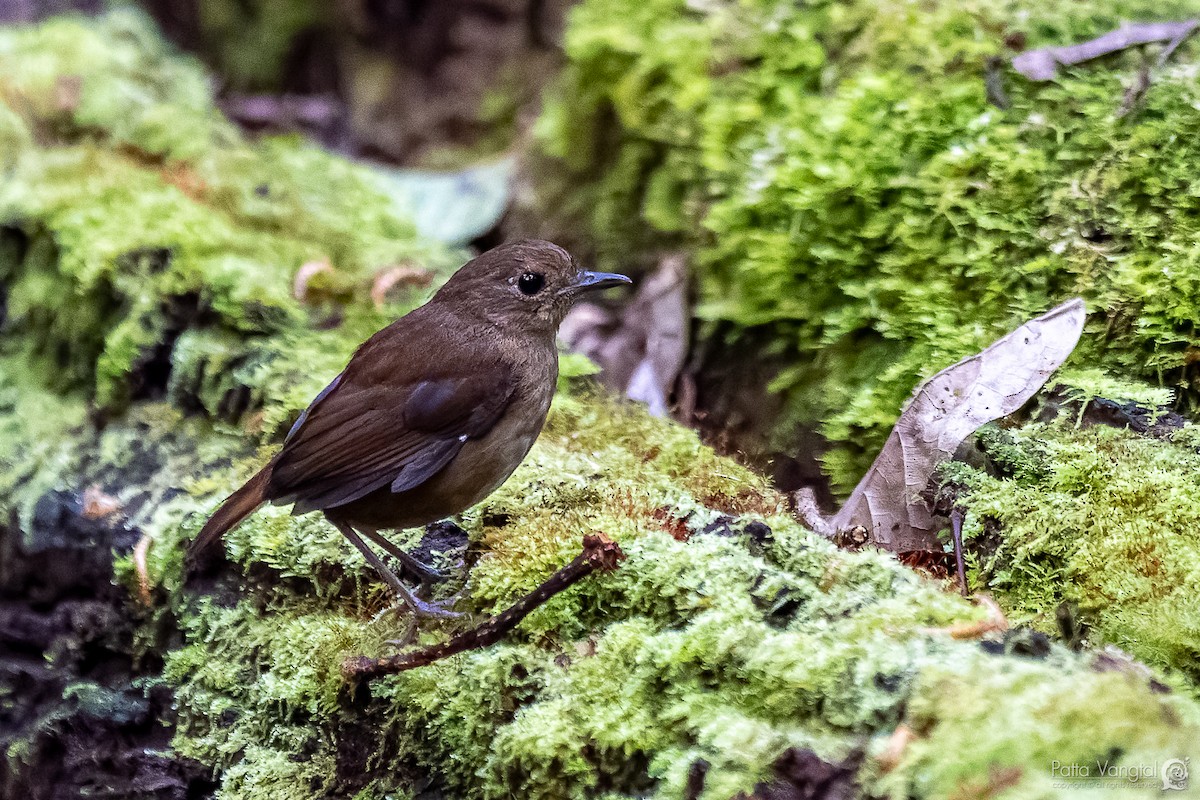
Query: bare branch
point(1043, 64)
point(599, 553)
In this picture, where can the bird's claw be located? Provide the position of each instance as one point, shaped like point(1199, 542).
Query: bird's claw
point(421, 609)
point(429, 609)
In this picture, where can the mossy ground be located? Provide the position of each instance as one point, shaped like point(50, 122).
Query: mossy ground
point(135, 213)
point(852, 198)
point(720, 647)
point(152, 347)
point(1098, 523)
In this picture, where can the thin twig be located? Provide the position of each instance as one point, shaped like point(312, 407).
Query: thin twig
point(809, 512)
point(140, 551)
point(1043, 64)
point(599, 553)
point(956, 521)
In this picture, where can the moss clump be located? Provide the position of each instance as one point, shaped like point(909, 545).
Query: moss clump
point(724, 653)
point(851, 196)
point(1103, 520)
point(948, 712)
point(731, 646)
point(141, 213)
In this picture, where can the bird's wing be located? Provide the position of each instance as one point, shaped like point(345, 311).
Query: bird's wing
point(367, 431)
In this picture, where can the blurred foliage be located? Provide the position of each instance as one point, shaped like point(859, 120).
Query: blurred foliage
point(251, 41)
point(134, 215)
point(847, 188)
point(435, 84)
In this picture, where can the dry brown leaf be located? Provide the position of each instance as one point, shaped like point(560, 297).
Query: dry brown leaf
point(641, 351)
point(661, 305)
point(305, 274)
point(97, 504)
point(588, 328)
point(399, 275)
point(944, 411)
point(1043, 64)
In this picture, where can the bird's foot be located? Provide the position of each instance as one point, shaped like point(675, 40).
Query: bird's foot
point(427, 575)
point(415, 609)
point(421, 609)
point(434, 609)
point(414, 566)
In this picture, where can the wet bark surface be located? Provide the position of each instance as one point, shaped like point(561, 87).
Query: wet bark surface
point(78, 717)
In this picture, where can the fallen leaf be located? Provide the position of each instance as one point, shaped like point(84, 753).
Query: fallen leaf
point(451, 207)
point(641, 351)
point(588, 327)
point(98, 505)
point(944, 411)
point(1043, 64)
point(934, 563)
point(305, 274)
point(400, 275)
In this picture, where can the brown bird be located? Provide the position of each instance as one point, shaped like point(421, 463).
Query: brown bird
point(432, 413)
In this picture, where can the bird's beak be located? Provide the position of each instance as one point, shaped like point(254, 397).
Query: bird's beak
point(593, 281)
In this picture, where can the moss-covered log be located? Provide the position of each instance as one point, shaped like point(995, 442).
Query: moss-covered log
point(153, 350)
point(859, 208)
point(869, 192)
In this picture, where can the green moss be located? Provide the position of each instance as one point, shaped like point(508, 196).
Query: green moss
point(1081, 386)
point(726, 651)
point(116, 79)
point(1107, 522)
point(157, 216)
point(35, 426)
point(1019, 755)
point(849, 194)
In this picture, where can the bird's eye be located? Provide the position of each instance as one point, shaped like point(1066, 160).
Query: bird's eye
point(531, 283)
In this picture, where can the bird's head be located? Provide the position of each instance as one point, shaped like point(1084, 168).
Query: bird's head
point(530, 283)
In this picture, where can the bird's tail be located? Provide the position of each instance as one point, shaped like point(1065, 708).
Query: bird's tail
point(236, 508)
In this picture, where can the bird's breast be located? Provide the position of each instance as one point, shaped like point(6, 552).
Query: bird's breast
point(485, 463)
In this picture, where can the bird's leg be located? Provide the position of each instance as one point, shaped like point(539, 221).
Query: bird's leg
point(419, 607)
point(426, 573)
